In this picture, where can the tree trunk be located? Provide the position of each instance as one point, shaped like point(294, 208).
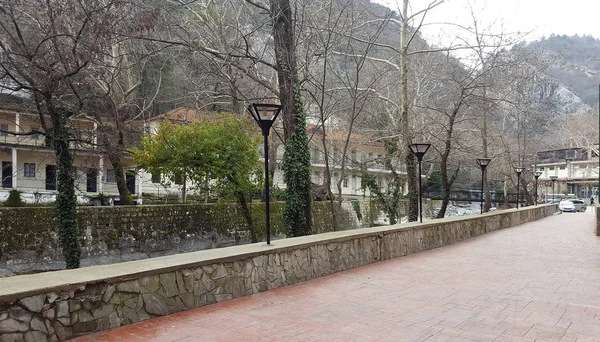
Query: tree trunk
point(405, 131)
point(296, 161)
point(332, 206)
point(247, 216)
point(125, 197)
point(66, 201)
point(114, 152)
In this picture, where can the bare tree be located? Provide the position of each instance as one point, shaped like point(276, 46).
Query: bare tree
point(46, 47)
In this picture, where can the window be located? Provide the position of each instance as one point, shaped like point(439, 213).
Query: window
point(541, 169)
point(551, 168)
point(111, 176)
point(562, 168)
point(155, 178)
point(50, 177)
point(3, 130)
point(29, 170)
point(178, 178)
point(91, 176)
point(345, 182)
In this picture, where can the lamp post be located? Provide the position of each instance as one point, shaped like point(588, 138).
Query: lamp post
point(419, 151)
point(265, 115)
point(537, 175)
point(483, 163)
point(518, 170)
point(553, 179)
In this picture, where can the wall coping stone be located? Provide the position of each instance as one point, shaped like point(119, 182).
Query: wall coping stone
point(16, 287)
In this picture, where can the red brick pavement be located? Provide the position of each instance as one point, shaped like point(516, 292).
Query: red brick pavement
point(535, 282)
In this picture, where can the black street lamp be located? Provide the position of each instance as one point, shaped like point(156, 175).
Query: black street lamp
point(518, 170)
point(537, 175)
point(265, 115)
point(419, 151)
point(483, 163)
point(553, 179)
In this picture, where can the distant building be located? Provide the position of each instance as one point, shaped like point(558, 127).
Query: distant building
point(576, 169)
point(29, 165)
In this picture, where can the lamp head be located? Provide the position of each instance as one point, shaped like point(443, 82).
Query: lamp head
point(483, 162)
point(553, 178)
point(419, 149)
point(264, 114)
point(537, 174)
point(519, 170)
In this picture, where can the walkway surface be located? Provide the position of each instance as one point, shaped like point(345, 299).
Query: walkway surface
point(535, 282)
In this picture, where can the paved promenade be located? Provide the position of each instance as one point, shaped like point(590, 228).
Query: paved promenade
point(535, 282)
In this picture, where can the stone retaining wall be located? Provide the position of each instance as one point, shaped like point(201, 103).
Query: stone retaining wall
point(29, 240)
point(59, 305)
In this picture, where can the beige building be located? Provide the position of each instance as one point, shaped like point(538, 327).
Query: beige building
point(29, 165)
point(362, 150)
point(576, 169)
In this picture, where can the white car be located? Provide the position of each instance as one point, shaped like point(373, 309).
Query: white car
point(567, 206)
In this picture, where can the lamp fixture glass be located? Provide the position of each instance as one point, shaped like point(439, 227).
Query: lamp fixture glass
point(264, 114)
point(536, 174)
point(519, 169)
point(419, 149)
point(553, 178)
point(483, 162)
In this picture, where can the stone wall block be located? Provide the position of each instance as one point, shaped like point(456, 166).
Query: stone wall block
point(34, 303)
point(87, 327)
point(62, 308)
point(150, 284)
point(11, 325)
point(169, 284)
point(103, 311)
point(114, 320)
point(188, 300)
point(14, 337)
point(180, 283)
point(52, 296)
point(62, 332)
point(207, 282)
point(20, 314)
point(37, 324)
point(74, 305)
point(85, 316)
point(155, 304)
point(188, 280)
point(129, 286)
point(108, 293)
point(35, 336)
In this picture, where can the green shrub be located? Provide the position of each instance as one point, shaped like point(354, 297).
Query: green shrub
point(14, 199)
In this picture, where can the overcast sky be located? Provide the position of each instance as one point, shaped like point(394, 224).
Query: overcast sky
point(541, 17)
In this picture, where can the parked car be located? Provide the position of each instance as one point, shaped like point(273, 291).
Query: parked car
point(580, 205)
point(567, 205)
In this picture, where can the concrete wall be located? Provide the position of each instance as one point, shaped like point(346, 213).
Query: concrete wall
point(29, 240)
point(59, 305)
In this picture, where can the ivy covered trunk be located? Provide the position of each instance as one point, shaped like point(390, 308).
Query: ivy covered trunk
point(296, 157)
point(296, 174)
point(66, 200)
